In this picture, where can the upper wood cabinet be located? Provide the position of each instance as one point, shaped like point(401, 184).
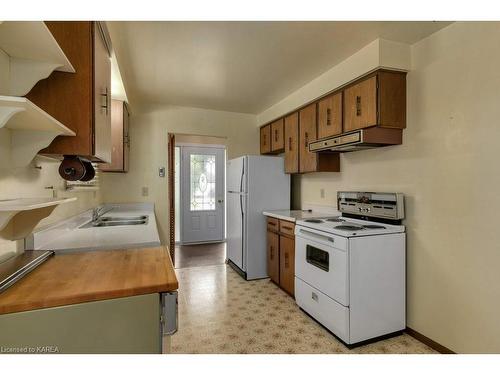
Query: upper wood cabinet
point(307, 133)
point(277, 135)
point(292, 143)
point(120, 139)
point(265, 139)
point(310, 161)
point(379, 100)
point(80, 100)
point(330, 116)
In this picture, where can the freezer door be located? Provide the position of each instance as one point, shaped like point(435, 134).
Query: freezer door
point(235, 178)
point(235, 228)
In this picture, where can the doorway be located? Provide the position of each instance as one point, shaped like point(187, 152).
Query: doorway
point(199, 200)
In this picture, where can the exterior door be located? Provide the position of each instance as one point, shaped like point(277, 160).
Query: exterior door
point(202, 194)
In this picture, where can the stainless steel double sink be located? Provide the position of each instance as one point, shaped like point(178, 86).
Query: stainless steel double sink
point(114, 221)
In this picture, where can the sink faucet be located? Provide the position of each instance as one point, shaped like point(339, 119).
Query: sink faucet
point(98, 212)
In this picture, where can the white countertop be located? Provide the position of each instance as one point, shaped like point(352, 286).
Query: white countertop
point(68, 235)
point(294, 215)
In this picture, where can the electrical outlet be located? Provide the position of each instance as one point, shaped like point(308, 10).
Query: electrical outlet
point(145, 191)
point(322, 193)
point(161, 171)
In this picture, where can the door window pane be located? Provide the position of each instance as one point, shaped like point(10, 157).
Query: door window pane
point(202, 195)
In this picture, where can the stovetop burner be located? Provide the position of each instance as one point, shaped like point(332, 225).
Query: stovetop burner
point(372, 226)
point(349, 227)
point(313, 221)
point(335, 220)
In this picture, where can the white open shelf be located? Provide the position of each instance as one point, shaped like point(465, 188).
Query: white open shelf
point(28, 53)
point(18, 217)
point(31, 129)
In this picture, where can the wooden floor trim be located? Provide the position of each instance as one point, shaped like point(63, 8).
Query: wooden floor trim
point(429, 342)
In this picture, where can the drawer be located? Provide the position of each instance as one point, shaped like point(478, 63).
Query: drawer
point(287, 227)
point(325, 310)
point(272, 224)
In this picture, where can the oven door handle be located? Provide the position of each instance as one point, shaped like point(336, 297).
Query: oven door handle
point(317, 235)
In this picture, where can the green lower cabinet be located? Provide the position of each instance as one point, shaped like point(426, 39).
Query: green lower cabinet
point(121, 325)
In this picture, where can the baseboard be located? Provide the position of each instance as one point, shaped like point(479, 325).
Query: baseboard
point(429, 342)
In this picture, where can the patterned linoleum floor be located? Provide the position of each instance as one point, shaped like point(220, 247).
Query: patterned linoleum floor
point(219, 312)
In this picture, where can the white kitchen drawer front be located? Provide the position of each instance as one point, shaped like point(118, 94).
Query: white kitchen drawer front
point(322, 265)
point(325, 310)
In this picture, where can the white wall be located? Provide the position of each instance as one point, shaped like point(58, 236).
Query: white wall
point(28, 182)
point(148, 151)
point(448, 170)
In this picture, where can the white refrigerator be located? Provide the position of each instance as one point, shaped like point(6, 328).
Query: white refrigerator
point(254, 184)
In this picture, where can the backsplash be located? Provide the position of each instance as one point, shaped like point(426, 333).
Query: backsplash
point(29, 182)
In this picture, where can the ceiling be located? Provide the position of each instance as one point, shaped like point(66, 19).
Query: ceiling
point(239, 66)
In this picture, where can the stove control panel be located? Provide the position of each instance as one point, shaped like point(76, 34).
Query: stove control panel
point(381, 205)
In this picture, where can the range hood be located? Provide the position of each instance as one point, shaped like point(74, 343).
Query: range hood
point(359, 140)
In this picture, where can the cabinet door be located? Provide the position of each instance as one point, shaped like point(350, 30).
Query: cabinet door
point(126, 138)
point(273, 256)
point(277, 142)
point(102, 97)
point(287, 264)
point(265, 139)
point(330, 116)
point(292, 143)
point(360, 105)
point(307, 133)
point(117, 138)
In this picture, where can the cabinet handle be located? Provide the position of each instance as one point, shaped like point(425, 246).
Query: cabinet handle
point(287, 263)
point(290, 144)
point(306, 139)
point(264, 140)
point(358, 105)
point(272, 253)
point(275, 135)
point(104, 101)
point(328, 116)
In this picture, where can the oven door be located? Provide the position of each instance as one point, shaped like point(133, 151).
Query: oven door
point(321, 261)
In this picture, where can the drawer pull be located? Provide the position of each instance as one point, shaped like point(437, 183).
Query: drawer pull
point(271, 223)
point(287, 228)
point(314, 296)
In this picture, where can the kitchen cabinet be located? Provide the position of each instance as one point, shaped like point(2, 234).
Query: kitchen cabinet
point(265, 139)
point(378, 100)
point(330, 116)
point(287, 264)
point(80, 100)
point(291, 135)
point(273, 265)
point(310, 161)
point(281, 253)
point(120, 139)
point(277, 134)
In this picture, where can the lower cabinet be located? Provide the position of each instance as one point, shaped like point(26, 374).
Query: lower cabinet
point(281, 253)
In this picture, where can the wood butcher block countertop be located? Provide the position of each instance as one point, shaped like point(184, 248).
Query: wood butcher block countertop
point(66, 279)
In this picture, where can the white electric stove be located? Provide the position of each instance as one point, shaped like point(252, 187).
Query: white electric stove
point(350, 269)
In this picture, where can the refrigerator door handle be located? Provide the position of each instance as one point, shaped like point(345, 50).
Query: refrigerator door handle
point(241, 178)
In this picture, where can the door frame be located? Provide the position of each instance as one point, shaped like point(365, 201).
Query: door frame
point(182, 197)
